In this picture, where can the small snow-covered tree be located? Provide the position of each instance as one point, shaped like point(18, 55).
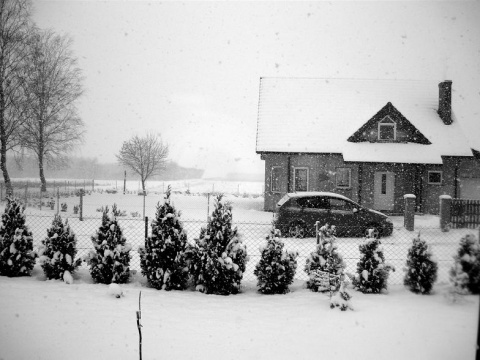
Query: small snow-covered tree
point(421, 269)
point(110, 259)
point(372, 271)
point(58, 250)
point(162, 259)
point(325, 258)
point(341, 299)
point(17, 257)
point(218, 258)
point(276, 268)
point(465, 273)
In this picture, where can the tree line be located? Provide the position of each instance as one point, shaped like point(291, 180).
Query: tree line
point(40, 83)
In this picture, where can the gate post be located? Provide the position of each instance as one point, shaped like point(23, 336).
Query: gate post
point(409, 215)
point(445, 212)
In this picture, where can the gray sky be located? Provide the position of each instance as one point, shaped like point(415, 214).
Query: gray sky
point(190, 70)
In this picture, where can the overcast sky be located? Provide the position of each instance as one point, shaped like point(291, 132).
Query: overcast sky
point(190, 70)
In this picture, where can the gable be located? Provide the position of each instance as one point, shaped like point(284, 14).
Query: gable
point(389, 125)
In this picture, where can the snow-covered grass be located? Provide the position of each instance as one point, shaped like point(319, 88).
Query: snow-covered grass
point(42, 319)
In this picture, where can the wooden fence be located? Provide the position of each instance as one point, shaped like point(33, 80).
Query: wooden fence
point(465, 213)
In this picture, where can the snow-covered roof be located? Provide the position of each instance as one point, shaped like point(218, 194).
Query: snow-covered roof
point(311, 115)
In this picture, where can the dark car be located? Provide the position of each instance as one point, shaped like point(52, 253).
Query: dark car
point(297, 214)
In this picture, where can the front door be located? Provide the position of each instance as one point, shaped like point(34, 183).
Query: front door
point(383, 187)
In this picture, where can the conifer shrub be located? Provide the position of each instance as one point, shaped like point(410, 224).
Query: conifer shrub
point(341, 299)
point(372, 271)
point(162, 259)
point(218, 258)
point(325, 258)
point(17, 257)
point(465, 273)
point(276, 269)
point(421, 268)
point(109, 260)
point(58, 250)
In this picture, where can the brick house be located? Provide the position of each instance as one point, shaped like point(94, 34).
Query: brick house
point(370, 140)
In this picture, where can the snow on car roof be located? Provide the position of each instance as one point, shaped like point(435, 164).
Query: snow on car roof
point(316, 193)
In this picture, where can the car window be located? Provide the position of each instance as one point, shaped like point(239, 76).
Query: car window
point(313, 202)
point(340, 204)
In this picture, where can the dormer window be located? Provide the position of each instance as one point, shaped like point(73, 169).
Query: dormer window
point(387, 129)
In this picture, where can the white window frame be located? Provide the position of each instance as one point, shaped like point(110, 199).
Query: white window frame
point(294, 178)
point(271, 180)
point(435, 183)
point(387, 121)
point(349, 178)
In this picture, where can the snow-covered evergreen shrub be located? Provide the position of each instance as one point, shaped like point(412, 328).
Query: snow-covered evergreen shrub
point(58, 250)
point(372, 271)
point(325, 258)
point(162, 259)
point(218, 257)
point(421, 269)
point(17, 257)
point(276, 268)
point(110, 259)
point(341, 298)
point(465, 273)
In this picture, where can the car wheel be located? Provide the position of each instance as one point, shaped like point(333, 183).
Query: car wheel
point(296, 230)
point(372, 232)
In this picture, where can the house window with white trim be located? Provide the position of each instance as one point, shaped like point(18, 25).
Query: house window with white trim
point(435, 177)
point(275, 179)
point(343, 178)
point(300, 179)
point(387, 129)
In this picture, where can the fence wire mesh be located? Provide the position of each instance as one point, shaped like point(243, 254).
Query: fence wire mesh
point(443, 245)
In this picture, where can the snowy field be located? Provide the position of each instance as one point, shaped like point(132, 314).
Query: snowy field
point(42, 319)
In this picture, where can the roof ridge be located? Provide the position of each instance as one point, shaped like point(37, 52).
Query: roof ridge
point(339, 78)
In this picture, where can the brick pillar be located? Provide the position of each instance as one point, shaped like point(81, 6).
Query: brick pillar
point(445, 206)
point(409, 216)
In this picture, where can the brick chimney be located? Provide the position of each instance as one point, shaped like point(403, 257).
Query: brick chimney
point(445, 101)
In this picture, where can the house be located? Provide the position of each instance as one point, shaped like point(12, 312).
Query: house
point(371, 140)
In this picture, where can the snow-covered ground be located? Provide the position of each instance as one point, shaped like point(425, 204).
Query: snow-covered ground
point(42, 319)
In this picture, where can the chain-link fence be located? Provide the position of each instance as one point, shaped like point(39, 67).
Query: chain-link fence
point(444, 245)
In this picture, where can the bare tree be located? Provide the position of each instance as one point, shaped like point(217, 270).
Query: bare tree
point(15, 26)
point(51, 84)
point(146, 156)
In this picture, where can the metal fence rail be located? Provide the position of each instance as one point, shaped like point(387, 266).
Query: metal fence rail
point(444, 245)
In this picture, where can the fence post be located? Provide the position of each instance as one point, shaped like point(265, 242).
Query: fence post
point(144, 193)
point(445, 212)
point(58, 199)
point(146, 227)
point(81, 206)
point(317, 233)
point(409, 212)
point(26, 193)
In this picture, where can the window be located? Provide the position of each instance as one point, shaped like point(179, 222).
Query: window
point(387, 129)
point(343, 177)
point(300, 179)
point(383, 189)
point(340, 205)
point(313, 203)
point(435, 177)
point(275, 180)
